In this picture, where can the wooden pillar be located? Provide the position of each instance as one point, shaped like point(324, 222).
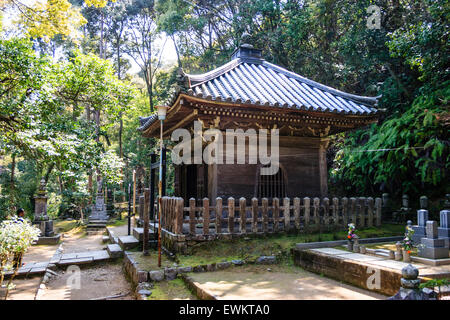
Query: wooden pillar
point(192, 220)
point(297, 213)
point(134, 191)
point(205, 216)
point(243, 214)
point(316, 208)
point(212, 181)
point(164, 169)
point(326, 211)
point(287, 214)
point(323, 170)
point(276, 214)
point(179, 205)
point(231, 215)
point(152, 188)
point(254, 215)
point(265, 215)
point(307, 210)
point(146, 221)
point(218, 215)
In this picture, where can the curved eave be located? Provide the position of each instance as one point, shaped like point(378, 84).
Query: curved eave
point(152, 125)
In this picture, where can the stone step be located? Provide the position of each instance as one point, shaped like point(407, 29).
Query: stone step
point(114, 250)
point(105, 239)
point(96, 226)
point(93, 232)
point(83, 257)
point(138, 233)
point(128, 242)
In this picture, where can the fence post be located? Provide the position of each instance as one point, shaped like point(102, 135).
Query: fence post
point(370, 212)
point(344, 211)
point(307, 210)
point(230, 215)
point(362, 210)
point(255, 215)
point(378, 211)
point(265, 214)
point(353, 210)
point(297, 213)
point(316, 211)
point(243, 214)
point(336, 211)
point(287, 214)
point(205, 216)
point(179, 205)
point(276, 214)
point(326, 211)
point(192, 219)
point(218, 215)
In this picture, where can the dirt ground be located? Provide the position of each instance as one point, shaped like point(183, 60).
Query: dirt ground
point(25, 288)
point(97, 282)
point(281, 283)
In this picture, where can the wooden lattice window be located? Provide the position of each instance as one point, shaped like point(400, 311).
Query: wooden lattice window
point(271, 186)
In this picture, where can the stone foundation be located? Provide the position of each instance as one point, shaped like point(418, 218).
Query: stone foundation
point(347, 271)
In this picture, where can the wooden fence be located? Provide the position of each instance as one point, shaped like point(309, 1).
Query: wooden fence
point(285, 215)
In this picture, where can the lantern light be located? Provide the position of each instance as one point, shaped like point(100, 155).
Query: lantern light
point(162, 110)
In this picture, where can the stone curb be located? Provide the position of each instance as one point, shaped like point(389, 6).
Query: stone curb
point(137, 275)
point(330, 244)
point(198, 291)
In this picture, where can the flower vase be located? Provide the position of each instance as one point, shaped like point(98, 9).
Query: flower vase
point(406, 256)
point(356, 246)
point(349, 245)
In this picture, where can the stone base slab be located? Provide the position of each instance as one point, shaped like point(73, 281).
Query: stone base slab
point(49, 240)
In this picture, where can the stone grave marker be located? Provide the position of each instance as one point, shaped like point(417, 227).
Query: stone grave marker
point(419, 229)
point(444, 229)
point(434, 248)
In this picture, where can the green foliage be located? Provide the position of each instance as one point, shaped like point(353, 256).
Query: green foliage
point(435, 283)
point(409, 151)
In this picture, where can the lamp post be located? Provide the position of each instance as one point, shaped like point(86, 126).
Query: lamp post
point(162, 110)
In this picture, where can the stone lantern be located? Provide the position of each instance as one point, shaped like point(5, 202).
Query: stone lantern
point(41, 219)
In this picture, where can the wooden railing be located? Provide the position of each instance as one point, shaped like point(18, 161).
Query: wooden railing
point(288, 215)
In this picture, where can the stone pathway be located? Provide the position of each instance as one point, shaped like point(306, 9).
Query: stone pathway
point(255, 282)
point(97, 281)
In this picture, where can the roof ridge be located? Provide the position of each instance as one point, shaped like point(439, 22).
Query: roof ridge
point(361, 99)
point(204, 77)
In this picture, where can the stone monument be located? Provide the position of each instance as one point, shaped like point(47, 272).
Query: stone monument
point(409, 289)
point(419, 229)
point(41, 219)
point(386, 209)
point(444, 229)
point(432, 246)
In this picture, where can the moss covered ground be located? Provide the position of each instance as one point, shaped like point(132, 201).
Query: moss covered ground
point(171, 290)
point(250, 248)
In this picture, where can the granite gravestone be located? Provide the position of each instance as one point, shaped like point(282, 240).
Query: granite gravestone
point(419, 229)
point(433, 247)
point(444, 229)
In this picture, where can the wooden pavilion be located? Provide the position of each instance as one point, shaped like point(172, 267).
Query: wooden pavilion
point(249, 92)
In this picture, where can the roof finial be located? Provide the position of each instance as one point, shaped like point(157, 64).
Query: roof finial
point(245, 40)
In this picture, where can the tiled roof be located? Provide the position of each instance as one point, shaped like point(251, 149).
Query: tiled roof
point(249, 79)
